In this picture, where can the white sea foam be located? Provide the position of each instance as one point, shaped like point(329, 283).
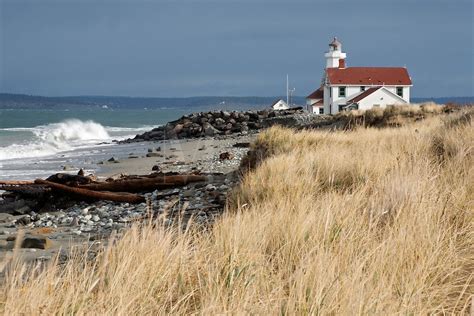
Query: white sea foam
point(53, 138)
point(48, 140)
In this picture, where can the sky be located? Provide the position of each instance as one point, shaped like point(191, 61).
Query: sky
point(180, 48)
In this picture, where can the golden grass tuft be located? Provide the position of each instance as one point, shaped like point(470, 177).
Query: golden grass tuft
point(371, 221)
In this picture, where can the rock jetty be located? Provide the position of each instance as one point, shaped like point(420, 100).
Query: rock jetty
point(216, 123)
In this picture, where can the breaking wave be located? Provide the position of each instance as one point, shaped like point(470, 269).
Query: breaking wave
point(58, 137)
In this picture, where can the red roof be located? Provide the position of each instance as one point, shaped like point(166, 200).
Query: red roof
point(369, 76)
point(362, 95)
point(318, 94)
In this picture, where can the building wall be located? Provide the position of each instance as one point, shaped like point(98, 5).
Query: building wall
point(326, 100)
point(352, 91)
point(382, 98)
point(316, 109)
point(406, 92)
point(280, 105)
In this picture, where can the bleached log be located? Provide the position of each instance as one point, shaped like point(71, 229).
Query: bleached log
point(15, 182)
point(145, 184)
point(85, 193)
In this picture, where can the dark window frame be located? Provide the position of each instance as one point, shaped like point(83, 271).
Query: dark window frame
point(400, 92)
point(342, 92)
point(321, 110)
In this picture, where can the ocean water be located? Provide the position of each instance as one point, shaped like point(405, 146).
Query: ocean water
point(38, 142)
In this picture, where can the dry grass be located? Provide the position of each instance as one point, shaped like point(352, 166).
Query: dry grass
point(393, 116)
point(372, 221)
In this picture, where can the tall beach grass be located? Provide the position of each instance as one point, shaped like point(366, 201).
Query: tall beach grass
point(368, 221)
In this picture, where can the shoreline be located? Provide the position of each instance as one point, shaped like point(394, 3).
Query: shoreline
point(88, 224)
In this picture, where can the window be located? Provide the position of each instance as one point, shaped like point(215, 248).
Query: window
point(400, 91)
point(362, 88)
point(341, 107)
point(342, 92)
point(321, 110)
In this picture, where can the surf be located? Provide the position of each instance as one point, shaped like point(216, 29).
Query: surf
point(54, 138)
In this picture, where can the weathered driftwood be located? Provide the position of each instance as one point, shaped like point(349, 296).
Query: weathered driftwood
point(81, 192)
point(26, 189)
point(69, 179)
point(144, 184)
point(14, 182)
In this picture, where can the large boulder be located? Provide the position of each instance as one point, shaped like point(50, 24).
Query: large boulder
point(38, 242)
point(209, 130)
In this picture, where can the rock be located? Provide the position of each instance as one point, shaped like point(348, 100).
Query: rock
point(218, 121)
point(6, 218)
point(81, 172)
point(24, 220)
point(189, 193)
point(74, 222)
point(150, 150)
point(112, 159)
point(223, 187)
point(226, 156)
point(178, 128)
point(95, 218)
point(154, 155)
point(155, 168)
point(19, 206)
point(23, 210)
point(209, 130)
point(39, 242)
point(158, 148)
point(210, 187)
point(241, 145)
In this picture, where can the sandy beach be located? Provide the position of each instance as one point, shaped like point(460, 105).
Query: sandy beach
point(87, 225)
point(183, 155)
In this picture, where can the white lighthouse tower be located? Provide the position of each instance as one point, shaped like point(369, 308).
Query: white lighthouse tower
point(335, 58)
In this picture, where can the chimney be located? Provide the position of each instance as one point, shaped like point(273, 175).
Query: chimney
point(342, 63)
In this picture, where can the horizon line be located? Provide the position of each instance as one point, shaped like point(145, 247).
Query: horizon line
point(189, 97)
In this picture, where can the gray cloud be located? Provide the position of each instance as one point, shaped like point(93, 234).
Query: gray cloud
point(238, 47)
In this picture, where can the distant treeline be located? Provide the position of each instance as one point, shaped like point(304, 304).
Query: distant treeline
point(8, 100)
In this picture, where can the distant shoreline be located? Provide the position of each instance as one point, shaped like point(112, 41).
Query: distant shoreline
point(8, 100)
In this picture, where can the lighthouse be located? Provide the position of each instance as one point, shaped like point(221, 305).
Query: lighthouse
point(347, 88)
point(335, 58)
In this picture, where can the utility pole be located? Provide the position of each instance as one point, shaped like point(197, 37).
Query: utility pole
point(287, 90)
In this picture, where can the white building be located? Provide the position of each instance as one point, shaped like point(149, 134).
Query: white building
point(280, 105)
point(357, 87)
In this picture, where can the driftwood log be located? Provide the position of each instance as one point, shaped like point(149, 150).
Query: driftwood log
point(144, 184)
point(109, 196)
point(26, 189)
point(14, 182)
point(69, 179)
